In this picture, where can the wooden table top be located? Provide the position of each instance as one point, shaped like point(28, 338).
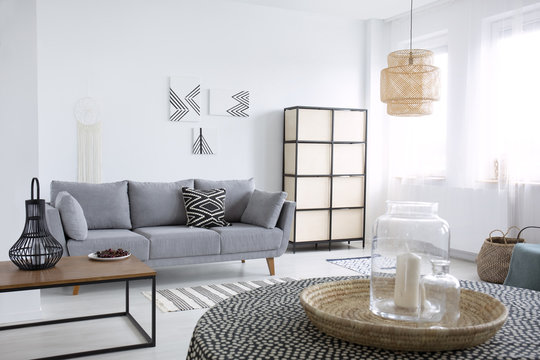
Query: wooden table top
point(72, 270)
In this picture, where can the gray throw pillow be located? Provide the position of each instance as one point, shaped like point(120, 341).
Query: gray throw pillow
point(72, 216)
point(263, 208)
point(238, 194)
point(157, 203)
point(105, 206)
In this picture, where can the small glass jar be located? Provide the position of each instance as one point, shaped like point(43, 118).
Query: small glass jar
point(440, 293)
point(406, 239)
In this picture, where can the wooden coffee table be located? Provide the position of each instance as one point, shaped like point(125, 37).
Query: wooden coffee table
point(80, 270)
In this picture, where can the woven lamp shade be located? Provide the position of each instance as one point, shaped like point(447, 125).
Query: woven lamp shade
point(410, 83)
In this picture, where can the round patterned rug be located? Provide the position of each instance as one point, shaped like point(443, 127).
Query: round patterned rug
point(269, 323)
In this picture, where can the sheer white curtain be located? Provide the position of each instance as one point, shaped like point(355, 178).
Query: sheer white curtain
point(487, 174)
point(511, 142)
point(508, 79)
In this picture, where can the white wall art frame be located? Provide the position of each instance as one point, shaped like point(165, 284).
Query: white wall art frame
point(205, 141)
point(225, 102)
point(184, 98)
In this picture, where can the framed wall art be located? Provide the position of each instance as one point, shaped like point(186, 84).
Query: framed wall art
point(229, 102)
point(184, 99)
point(204, 141)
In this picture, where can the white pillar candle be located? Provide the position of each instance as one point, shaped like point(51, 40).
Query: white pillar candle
point(406, 291)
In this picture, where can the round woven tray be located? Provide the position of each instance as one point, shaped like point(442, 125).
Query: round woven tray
point(341, 309)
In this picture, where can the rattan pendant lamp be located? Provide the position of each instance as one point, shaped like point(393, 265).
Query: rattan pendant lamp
point(410, 83)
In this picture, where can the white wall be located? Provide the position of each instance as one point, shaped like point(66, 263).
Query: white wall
point(121, 52)
point(18, 115)
point(18, 137)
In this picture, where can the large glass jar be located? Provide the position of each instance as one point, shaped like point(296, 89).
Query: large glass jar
point(406, 240)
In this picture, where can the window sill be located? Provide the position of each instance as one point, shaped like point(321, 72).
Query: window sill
point(495, 181)
point(421, 178)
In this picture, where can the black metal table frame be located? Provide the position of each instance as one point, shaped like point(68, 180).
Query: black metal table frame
point(150, 339)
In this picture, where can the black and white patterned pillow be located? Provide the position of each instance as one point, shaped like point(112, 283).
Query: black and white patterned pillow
point(205, 208)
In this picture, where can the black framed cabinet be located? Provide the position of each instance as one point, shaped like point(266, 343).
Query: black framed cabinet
point(324, 172)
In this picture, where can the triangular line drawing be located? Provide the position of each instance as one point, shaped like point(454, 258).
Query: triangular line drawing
point(200, 146)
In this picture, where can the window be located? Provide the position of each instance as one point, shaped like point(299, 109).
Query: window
point(418, 144)
point(514, 126)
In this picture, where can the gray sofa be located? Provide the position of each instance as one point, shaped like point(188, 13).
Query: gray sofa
point(149, 220)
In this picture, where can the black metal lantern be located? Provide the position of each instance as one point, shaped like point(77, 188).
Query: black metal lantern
point(36, 249)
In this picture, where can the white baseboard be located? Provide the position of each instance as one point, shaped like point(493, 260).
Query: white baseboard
point(463, 255)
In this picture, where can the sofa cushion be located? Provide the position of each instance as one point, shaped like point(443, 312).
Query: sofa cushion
point(264, 208)
point(97, 240)
point(72, 216)
point(238, 194)
point(205, 208)
point(180, 241)
point(240, 238)
point(105, 206)
point(157, 203)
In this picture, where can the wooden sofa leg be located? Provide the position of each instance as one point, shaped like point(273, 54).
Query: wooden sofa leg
point(243, 261)
point(270, 262)
point(76, 290)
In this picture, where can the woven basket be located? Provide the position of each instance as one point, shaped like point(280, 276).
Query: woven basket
point(341, 309)
point(493, 259)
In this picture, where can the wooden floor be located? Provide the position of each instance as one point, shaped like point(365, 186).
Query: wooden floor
point(173, 329)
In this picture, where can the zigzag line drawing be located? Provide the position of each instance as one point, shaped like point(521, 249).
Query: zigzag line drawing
point(181, 108)
point(243, 104)
point(190, 99)
point(200, 146)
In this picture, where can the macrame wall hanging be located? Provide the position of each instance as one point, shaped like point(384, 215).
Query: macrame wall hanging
point(88, 141)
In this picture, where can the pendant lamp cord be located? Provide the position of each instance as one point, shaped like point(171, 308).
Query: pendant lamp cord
point(410, 30)
point(410, 38)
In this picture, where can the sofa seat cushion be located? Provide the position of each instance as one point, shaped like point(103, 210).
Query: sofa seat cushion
point(180, 241)
point(104, 239)
point(240, 238)
point(157, 203)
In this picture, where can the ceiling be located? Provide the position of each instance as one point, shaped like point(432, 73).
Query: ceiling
point(357, 9)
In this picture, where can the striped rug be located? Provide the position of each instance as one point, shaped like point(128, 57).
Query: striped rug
point(361, 265)
point(205, 296)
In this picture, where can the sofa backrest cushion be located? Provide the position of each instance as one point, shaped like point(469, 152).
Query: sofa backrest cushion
point(105, 206)
point(264, 208)
point(157, 203)
point(238, 195)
